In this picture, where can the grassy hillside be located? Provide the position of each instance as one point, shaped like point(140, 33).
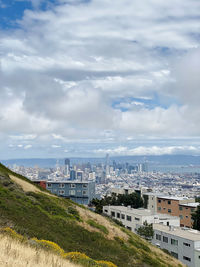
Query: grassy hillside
point(15, 253)
point(33, 213)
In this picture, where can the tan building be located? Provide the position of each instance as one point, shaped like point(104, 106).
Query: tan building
point(177, 206)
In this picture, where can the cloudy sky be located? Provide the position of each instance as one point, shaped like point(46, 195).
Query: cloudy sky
point(87, 77)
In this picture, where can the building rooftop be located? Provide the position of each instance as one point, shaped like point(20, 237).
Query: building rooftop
point(189, 234)
point(193, 204)
point(64, 182)
point(175, 197)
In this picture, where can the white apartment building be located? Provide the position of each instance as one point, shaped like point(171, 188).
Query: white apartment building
point(182, 243)
point(134, 218)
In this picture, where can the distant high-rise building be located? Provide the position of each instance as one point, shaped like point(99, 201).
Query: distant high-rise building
point(67, 167)
point(92, 175)
point(114, 165)
point(107, 165)
point(143, 167)
point(79, 175)
point(72, 175)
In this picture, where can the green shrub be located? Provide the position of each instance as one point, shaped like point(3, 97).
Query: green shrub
point(98, 226)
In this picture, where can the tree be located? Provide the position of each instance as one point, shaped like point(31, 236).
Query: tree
point(197, 199)
point(196, 219)
point(146, 200)
point(146, 231)
point(134, 200)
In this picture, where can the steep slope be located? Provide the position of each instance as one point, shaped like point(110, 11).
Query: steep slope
point(36, 213)
point(14, 253)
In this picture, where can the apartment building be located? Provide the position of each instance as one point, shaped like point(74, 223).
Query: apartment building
point(134, 218)
point(182, 243)
point(177, 206)
point(152, 200)
point(81, 192)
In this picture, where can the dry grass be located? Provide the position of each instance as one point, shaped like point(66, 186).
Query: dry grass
point(28, 187)
point(113, 230)
point(16, 254)
point(171, 260)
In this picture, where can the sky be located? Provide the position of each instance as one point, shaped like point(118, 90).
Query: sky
point(83, 78)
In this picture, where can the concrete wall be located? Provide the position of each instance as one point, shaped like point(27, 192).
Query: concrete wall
point(138, 219)
point(180, 249)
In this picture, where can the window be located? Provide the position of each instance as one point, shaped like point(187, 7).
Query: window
point(175, 255)
point(106, 211)
point(128, 218)
point(186, 217)
point(72, 185)
point(174, 242)
point(84, 185)
point(49, 185)
point(159, 208)
point(186, 244)
point(169, 202)
point(112, 213)
point(84, 192)
point(158, 237)
point(165, 239)
point(169, 210)
point(159, 201)
point(137, 219)
point(118, 215)
point(123, 216)
point(186, 258)
point(129, 228)
point(180, 208)
point(71, 192)
point(61, 192)
point(61, 185)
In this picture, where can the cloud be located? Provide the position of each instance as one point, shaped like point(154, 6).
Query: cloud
point(96, 72)
point(154, 150)
point(27, 146)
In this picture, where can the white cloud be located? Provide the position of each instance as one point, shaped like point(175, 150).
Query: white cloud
point(154, 150)
point(27, 146)
point(101, 72)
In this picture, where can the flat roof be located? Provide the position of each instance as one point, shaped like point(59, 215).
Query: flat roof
point(66, 182)
point(193, 204)
point(189, 234)
point(175, 198)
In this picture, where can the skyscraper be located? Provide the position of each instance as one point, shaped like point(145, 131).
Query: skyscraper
point(67, 167)
point(107, 165)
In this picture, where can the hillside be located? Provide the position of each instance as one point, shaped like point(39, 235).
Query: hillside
point(35, 213)
point(14, 253)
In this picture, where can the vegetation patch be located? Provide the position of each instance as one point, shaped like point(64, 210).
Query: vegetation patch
point(84, 260)
point(98, 226)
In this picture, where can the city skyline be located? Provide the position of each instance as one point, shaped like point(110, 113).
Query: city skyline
point(88, 78)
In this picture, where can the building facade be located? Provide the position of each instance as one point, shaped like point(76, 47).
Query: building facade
point(81, 192)
point(183, 244)
point(177, 206)
point(134, 218)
